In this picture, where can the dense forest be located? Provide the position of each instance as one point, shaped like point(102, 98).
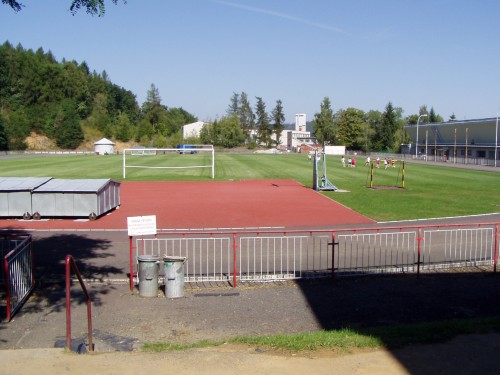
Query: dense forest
point(71, 105)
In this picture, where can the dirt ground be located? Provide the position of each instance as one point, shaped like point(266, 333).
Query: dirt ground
point(124, 321)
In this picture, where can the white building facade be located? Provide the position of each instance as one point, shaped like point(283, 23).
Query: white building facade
point(192, 130)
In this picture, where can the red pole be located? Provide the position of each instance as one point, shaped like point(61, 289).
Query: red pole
point(131, 262)
point(333, 255)
point(71, 263)
point(419, 244)
point(68, 304)
point(89, 324)
point(235, 271)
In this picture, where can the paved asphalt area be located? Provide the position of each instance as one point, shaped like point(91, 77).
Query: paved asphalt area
point(123, 321)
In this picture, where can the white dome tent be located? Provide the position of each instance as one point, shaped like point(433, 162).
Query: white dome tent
point(104, 147)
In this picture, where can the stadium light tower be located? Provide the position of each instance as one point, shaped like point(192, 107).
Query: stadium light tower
point(496, 141)
point(416, 140)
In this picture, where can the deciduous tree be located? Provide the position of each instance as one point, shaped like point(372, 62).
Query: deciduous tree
point(92, 7)
point(350, 126)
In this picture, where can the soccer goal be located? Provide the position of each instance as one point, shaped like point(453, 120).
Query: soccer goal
point(182, 157)
point(390, 176)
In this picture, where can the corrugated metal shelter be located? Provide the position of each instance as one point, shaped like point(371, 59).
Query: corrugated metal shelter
point(76, 198)
point(15, 195)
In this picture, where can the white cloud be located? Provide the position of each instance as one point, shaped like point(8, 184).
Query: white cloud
point(282, 15)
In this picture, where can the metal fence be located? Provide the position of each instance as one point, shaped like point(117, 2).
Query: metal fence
point(17, 275)
point(271, 255)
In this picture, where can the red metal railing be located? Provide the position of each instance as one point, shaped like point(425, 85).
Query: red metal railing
point(244, 255)
point(18, 275)
point(70, 264)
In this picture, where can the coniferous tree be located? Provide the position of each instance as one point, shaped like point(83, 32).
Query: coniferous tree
point(4, 143)
point(123, 128)
point(391, 131)
point(69, 133)
point(324, 124)
point(233, 105)
point(153, 110)
point(433, 117)
point(278, 121)
point(264, 130)
point(246, 117)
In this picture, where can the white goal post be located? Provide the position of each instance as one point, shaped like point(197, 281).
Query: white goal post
point(161, 158)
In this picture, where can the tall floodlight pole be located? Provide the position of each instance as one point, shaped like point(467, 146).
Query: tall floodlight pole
point(416, 140)
point(496, 142)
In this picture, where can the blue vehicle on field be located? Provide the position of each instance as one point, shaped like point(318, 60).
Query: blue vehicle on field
point(189, 149)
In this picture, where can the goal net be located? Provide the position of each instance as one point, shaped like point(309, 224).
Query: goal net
point(183, 157)
point(387, 174)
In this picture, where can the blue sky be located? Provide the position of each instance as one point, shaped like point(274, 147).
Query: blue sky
point(360, 53)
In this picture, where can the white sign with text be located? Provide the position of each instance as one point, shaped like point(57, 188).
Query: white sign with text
point(141, 225)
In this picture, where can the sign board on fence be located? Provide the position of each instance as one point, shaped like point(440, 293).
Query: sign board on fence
point(141, 225)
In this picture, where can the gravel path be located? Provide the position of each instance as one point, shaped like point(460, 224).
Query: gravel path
point(220, 312)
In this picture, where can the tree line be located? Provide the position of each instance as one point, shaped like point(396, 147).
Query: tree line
point(69, 104)
point(351, 127)
point(241, 126)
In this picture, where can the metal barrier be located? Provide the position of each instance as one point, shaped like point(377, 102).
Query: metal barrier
point(208, 258)
point(284, 256)
point(387, 252)
point(460, 246)
point(17, 275)
point(272, 255)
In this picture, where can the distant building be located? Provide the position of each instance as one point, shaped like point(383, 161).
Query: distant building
point(300, 122)
point(294, 139)
point(474, 141)
point(192, 130)
point(104, 147)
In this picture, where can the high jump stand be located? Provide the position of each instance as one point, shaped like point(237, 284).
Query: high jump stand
point(321, 183)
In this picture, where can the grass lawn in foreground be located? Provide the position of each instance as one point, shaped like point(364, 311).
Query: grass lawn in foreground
point(431, 191)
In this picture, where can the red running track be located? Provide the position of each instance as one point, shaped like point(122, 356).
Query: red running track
point(218, 205)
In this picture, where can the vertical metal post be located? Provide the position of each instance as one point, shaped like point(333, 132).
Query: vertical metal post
point(71, 263)
point(403, 174)
point(455, 148)
point(419, 244)
point(213, 163)
point(7, 287)
point(131, 262)
point(124, 167)
point(333, 256)
point(496, 141)
point(495, 256)
point(235, 262)
point(371, 175)
point(466, 145)
point(68, 306)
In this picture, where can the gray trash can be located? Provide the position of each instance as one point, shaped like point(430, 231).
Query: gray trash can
point(174, 276)
point(148, 275)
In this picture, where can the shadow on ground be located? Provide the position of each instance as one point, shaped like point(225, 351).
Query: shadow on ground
point(366, 302)
point(93, 258)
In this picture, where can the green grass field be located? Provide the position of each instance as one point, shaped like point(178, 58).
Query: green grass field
point(430, 191)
